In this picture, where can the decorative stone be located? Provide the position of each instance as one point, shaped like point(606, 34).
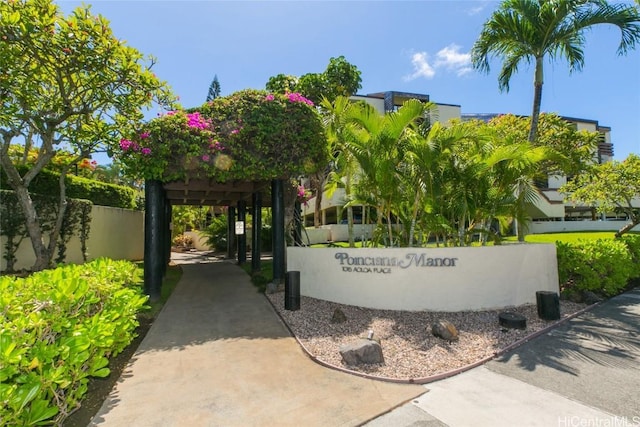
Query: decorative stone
point(338, 316)
point(590, 298)
point(361, 352)
point(512, 320)
point(445, 330)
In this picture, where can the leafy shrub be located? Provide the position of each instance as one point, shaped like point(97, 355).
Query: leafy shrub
point(98, 192)
point(58, 329)
point(216, 233)
point(633, 244)
point(603, 265)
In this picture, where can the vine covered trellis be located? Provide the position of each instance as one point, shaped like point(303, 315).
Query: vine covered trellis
point(250, 135)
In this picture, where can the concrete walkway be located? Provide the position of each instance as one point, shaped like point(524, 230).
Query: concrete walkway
point(218, 355)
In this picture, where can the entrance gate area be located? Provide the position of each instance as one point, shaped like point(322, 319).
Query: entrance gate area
point(238, 196)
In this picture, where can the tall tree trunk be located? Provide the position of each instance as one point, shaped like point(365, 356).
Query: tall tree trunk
point(347, 190)
point(21, 187)
point(537, 99)
point(317, 211)
point(317, 181)
point(40, 250)
point(62, 208)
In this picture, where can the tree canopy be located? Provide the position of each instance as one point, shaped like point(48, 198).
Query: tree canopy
point(531, 31)
point(609, 187)
point(249, 135)
point(340, 78)
point(65, 81)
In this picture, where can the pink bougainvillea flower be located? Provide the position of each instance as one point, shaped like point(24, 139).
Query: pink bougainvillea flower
point(195, 120)
point(145, 135)
point(125, 144)
point(205, 158)
point(146, 151)
point(269, 97)
point(234, 132)
point(296, 97)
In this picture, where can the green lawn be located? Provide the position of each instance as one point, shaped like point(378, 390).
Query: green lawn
point(531, 238)
point(567, 237)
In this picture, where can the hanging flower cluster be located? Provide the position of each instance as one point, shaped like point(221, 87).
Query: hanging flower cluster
point(296, 97)
point(127, 145)
point(304, 195)
point(195, 120)
point(249, 135)
point(293, 97)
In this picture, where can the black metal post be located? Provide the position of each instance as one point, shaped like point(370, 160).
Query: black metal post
point(153, 239)
point(292, 290)
point(277, 215)
point(297, 222)
point(256, 228)
point(166, 228)
point(231, 232)
point(242, 238)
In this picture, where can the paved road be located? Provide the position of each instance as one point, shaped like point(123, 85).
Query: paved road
point(586, 372)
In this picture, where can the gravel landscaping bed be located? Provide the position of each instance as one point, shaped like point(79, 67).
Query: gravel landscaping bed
point(409, 348)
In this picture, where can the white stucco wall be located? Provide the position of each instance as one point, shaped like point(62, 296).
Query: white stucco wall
point(467, 279)
point(115, 233)
point(445, 113)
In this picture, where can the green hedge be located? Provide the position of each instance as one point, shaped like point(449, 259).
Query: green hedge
point(59, 327)
point(603, 266)
point(100, 193)
point(77, 221)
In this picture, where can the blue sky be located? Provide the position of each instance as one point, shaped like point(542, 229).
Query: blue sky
point(419, 47)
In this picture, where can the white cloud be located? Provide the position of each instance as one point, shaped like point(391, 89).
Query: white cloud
point(421, 67)
point(475, 10)
point(453, 60)
point(449, 58)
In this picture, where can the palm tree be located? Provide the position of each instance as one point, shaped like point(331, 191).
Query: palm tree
point(378, 144)
point(530, 30)
point(335, 121)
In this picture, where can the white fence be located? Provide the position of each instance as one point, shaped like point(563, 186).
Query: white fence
point(115, 233)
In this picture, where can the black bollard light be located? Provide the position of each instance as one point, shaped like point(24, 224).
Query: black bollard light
point(292, 290)
point(548, 304)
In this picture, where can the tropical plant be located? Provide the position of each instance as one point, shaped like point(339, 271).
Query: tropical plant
point(335, 116)
point(531, 31)
point(378, 144)
point(66, 81)
point(610, 186)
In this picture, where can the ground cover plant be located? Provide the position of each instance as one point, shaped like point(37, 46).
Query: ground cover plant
point(59, 328)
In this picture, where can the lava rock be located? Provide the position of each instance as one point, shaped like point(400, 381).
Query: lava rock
point(338, 316)
point(361, 352)
point(591, 298)
point(445, 330)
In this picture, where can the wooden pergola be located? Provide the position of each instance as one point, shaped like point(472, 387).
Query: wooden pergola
point(238, 196)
